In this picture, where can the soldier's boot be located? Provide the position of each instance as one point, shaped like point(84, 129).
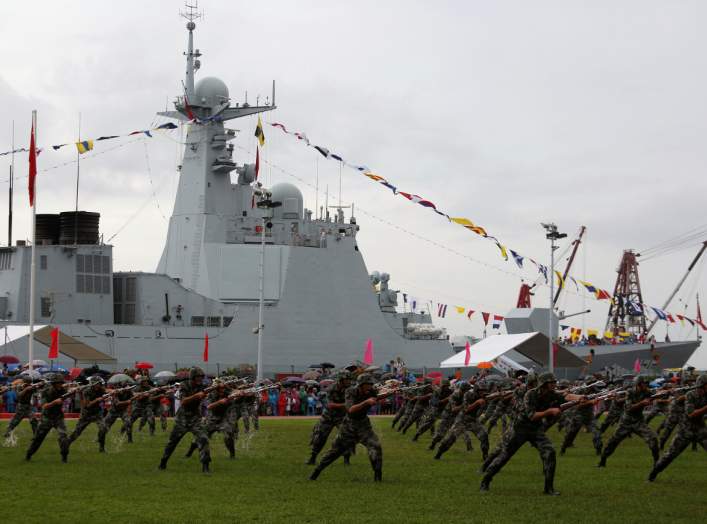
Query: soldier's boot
point(312, 460)
point(550, 489)
point(432, 445)
point(205, 468)
point(315, 473)
point(378, 475)
point(652, 475)
point(163, 464)
point(485, 484)
point(469, 447)
point(417, 436)
point(347, 459)
point(194, 446)
point(602, 461)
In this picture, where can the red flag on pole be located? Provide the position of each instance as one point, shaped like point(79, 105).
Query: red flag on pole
point(486, 317)
point(206, 347)
point(368, 355)
point(54, 347)
point(467, 357)
point(32, 166)
point(257, 162)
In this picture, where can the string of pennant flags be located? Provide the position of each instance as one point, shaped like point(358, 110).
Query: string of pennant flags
point(415, 304)
point(596, 292)
point(84, 146)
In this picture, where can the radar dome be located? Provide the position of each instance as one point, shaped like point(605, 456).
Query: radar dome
point(210, 92)
point(291, 198)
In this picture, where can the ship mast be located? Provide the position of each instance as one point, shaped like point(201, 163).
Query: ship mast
point(677, 288)
point(191, 13)
point(575, 244)
point(626, 312)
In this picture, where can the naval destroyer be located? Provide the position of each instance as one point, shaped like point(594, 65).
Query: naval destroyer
point(319, 301)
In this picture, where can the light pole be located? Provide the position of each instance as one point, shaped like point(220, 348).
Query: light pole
point(264, 204)
point(552, 235)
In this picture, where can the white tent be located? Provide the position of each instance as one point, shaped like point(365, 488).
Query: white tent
point(534, 346)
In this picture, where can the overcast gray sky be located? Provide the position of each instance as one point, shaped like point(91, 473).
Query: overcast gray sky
point(508, 113)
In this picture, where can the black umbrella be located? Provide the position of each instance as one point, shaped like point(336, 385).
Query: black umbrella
point(325, 365)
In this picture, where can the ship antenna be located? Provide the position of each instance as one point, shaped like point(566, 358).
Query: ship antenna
point(191, 12)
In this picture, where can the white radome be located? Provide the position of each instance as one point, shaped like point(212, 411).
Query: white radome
point(211, 91)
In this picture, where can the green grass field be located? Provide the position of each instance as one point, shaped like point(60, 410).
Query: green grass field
point(267, 482)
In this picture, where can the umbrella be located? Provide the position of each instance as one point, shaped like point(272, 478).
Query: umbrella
point(34, 374)
point(9, 359)
point(325, 365)
point(484, 365)
point(315, 366)
point(120, 378)
point(326, 382)
point(294, 380)
point(144, 365)
point(74, 373)
point(311, 375)
point(312, 383)
point(371, 369)
point(38, 363)
point(165, 374)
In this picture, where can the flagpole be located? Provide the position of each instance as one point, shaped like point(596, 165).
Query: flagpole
point(32, 264)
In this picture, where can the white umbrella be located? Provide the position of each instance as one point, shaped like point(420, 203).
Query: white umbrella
point(120, 378)
point(38, 363)
point(164, 376)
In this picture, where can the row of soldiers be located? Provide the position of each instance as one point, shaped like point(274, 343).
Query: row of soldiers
point(527, 410)
point(226, 405)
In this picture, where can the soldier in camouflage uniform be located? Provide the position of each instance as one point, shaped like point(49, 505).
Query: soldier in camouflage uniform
point(188, 419)
point(692, 427)
point(439, 401)
point(404, 409)
point(356, 428)
point(632, 421)
point(251, 412)
point(516, 409)
point(409, 408)
point(119, 410)
point(24, 405)
point(676, 410)
point(467, 421)
point(142, 405)
point(90, 407)
point(217, 418)
point(538, 404)
point(449, 415)
point(616, 408)
point(159, 410)
point(332, 416)
point(52, 417)
point(581, 416)
point(422, 402)
point(237, 411)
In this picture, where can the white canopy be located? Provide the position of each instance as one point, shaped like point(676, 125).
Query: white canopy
point(532, 345)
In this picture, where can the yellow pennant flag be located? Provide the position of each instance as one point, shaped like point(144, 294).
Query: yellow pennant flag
point(459, 309)
point(259, 132)
point(560, 280)
point(84, 146)
point(504, 254)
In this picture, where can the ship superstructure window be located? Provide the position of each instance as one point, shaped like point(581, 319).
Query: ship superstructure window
point(5, 260)
point(197, 321)
point(214, 322)
point(43, 262)
point(227, 321)
point(92, 274)
point(46, 306)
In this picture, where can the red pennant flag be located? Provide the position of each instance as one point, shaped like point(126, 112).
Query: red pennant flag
point(32, 166)
point(257, 162)
point(486, 318)
point(368, 355)
point(468, 315)
point(206, 347)
point(467, 357)
point(54, 347)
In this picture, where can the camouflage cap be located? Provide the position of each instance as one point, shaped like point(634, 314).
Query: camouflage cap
point(96, 380)
point(482, 385)
point(546, 378)
point(344, 375)
point(640, 379)
point(55, 378)
point(701, 380)
point(196, 371)
point(365, 378)
point(532, 380)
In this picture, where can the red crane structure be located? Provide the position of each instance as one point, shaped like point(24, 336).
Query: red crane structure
point(626, 311)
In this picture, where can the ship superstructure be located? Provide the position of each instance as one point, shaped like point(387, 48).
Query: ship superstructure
point(321, 304)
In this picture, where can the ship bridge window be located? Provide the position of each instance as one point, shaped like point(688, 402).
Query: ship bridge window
point(43, 262)
point(227, 321)
point(214, 322)
point(197, 321)
point(46, 306)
